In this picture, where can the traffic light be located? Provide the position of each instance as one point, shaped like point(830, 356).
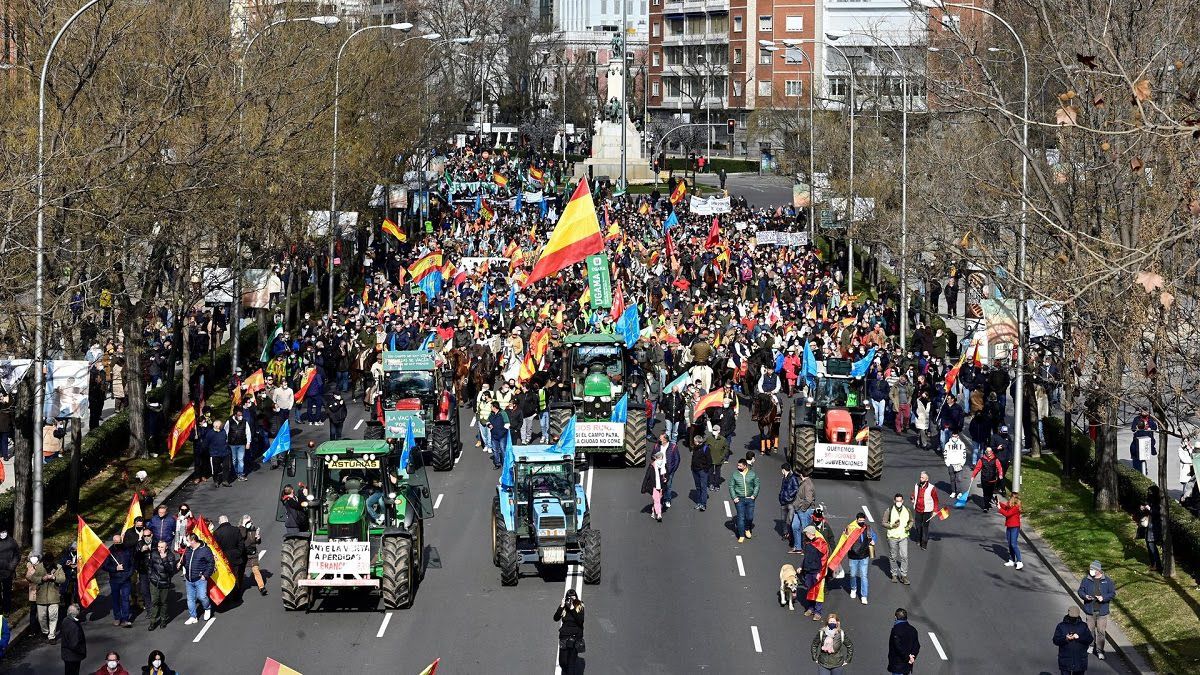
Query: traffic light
point(731, 126)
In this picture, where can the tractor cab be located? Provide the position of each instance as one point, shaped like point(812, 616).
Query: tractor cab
point(598, 367)
point(414, 389)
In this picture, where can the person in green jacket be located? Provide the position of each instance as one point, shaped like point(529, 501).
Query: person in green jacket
point(743, 490)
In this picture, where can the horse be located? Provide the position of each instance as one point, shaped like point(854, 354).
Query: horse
point(360, 369)
point(766, 413)
point(460, 365)
point(481, 370)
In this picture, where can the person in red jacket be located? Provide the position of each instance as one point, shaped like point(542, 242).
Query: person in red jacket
point(1011, 510)
point(925, 506)
point(992, 473)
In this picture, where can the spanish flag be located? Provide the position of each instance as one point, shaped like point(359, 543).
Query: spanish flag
point(449, 270)
point(943, 513)
point(255, 382)
point(713, 399)
point(423, 267)
point(575, 237)
point(845, 542)
point(390, 228)
point(975, 361)
point(952, 375)
point(679, 192)
point(222, 581)
point(536, 173)
point(273, 667)
point(714, 234)
point(182, 429)
point(487, 211)
point(91, 552)
point(306, 381)
point(644, 208)
point(135, 511)
point(432, 669)
point(585, 297)
point(499, 179)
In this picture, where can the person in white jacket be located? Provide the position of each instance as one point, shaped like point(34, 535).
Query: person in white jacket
point(1187, 468)
point(921, 420)
point(955, 453)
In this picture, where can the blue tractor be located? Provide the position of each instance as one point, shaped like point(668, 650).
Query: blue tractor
point(540, 515)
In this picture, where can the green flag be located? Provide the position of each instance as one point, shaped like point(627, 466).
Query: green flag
point(266, 353)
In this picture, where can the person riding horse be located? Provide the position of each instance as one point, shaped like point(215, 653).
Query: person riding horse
point(767, 410)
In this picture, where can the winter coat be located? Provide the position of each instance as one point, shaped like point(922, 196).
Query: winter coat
point(238, 434)
point(806, 498)
point(902, 642)
point(294, 515)
point(1097, 588)
point(336, 411)
point(843, 649)
point(163, 568)
point(789, 489)
point(572, 621)
point(229, 537)
point(1011, 513)
point(701, 459)
point(955, 453)
point(73, 641)
point(1072, 654)
point(198, 563)
point(743, 485)
point(10, 555)
point(218, 443)
point(122, 555)
point(655, 478)
point(163, 529)
point(47, 589)
point(921, 410)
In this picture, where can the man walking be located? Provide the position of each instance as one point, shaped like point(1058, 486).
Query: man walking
point(218, 450)
point(788, 490)
point(898, 522)
point(238, 434)
point(74, 642)
point(233, 544)
point(862, 551)
point(701, 465)
point(925, 505)
point(163, 565)
point(743, 490)
point(1074, 641)
point(197, 564)
point(990, 474)
point(336, 412)
point(46, 577)
point(119, 565)
point(903, 645)
point(1097, 591)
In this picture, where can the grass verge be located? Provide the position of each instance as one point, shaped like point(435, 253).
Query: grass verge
point(1160, 616)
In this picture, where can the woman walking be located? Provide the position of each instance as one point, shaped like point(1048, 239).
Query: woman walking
point(570, 632)
point(832, 649)
point(1011, 510)
point(654, 482)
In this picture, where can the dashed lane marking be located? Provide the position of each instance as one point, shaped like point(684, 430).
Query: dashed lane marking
point(741, 567)
point(438, 501)
point(358, 424)
point(938, 646)
point(867, 512)
point(728, 510)
point(757, 642)
point(261, 553)
point(207, 624)
point(387, 618)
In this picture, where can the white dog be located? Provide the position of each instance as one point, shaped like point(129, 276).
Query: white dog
point(789, 583)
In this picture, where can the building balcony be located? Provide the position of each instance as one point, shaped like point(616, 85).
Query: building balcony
point(695, 39)
point(696, 70)
point(694, 6)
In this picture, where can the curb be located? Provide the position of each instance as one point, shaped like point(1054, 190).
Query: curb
point(1116, 635)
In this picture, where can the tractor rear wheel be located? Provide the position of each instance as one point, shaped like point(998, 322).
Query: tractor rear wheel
point(804, 448)
point(397, 581)
point(497, 523)
point(875, 454)
point(558, 421)
point(635, 438)
point(507, 558)
point(589, 546)
point(374, 432)
point(293, 566)
point(418, 530)
point(442, 446)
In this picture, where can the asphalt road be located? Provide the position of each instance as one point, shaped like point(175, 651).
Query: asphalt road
point(677, 597)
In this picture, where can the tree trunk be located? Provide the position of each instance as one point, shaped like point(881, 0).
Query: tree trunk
point(186, 366)
point(23, 461)
point(135, 390)
point(1106, 497)
point(1066, 371)
point(1164, 498)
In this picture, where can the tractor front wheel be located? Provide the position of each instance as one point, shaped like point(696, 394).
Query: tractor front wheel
point(507, 558)
point(875, 454)
point(497, 523)
point(635, 438)
point(804, 448)
point(441, 444)
point(397, 582)
point(589, 546)
point(374, 432)
point(293, 567)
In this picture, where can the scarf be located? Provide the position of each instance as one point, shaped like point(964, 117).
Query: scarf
point(827, 643)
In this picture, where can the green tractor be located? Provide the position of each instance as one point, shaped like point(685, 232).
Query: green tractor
point(415, 388)
point(366, 524)
point(540, 515)
point(596, 370)
point(833, 429)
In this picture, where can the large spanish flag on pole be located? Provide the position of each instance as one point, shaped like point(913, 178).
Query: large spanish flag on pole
point(390, 228)
point(222, 581)
point(430, 262)
point(713, 399)
point(575, 237)
point(135, 511)
point(182, 429)
point(92, 553)
point(306, 381)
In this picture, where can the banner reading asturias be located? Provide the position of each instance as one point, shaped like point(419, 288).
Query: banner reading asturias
point(575, 237)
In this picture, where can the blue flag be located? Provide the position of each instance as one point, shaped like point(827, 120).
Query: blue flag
point(566, 440)
point(809, 365)
point(282, 442)
point(478, 204)
point(629, 325)
point(428, 340)
point(506, 471)
point(543, 207)
point(392, 343)
point(671, 221)
point(520, 201)
point(484, 296)
point(431, 285)
point(620, 411)
point(861, 366)
point(512, 296)
point(409, 444)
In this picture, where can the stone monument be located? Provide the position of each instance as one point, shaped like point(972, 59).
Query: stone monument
point(606, 133)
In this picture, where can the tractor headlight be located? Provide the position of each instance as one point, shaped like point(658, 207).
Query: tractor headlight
point(606, 399)
point(589, 399)
point(391, 495)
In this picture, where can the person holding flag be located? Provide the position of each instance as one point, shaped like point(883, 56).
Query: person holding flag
point(812, 569)
point(925, 507)
point(198, 565)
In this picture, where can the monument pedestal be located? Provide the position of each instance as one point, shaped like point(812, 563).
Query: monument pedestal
point(606, 140)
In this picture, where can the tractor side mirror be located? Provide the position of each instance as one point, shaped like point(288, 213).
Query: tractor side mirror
point(577, 477)
point(425, 491)
point(291, 467)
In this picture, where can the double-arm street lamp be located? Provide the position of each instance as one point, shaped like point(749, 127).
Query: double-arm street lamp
point(851, 201)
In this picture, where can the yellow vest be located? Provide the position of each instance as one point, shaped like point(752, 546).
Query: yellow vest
point(902, 522)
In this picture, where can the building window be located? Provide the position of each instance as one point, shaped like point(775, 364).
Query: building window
point(737, 88)
point(655, 59)
point(654, 2)
point(838, 86)
point(764, 87)
point(795, 24)
point(737, 55)
point(655, 30)
point(764, 23)
point(737, 24)
point(764, 56)
point(793, 88)
point(793, 55)
point(591, 58)
point(654, 88)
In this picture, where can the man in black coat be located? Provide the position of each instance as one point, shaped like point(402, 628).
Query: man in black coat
point(10, 553)
point(1074, 639)
point(336, 412)
point(233, 545)
point(74, 642)
point(903, 645)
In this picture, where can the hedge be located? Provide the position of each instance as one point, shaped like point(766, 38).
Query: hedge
point(110, 440)
point(1132, 489)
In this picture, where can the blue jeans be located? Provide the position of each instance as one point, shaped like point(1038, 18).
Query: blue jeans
point(858, 575)
point(239, 459)
point(743, 519)
point(701, 478)
point(373, 503)
point(497, 451)
point(316, 404)
point(1014, 549)
point(120, 600)
point(343, 379)
point(197, 591)
point(673, 431)
point(670, 481)
point(798, 526)
point(880, 411)
point(544, 425)
point(805, 517)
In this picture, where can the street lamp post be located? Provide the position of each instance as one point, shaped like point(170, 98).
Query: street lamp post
point(851, 202)
point(333, 215)
point(1019, 413)
point(812, 161)
point(903, 186)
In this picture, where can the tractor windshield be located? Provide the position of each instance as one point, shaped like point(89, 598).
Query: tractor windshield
point(598, 359)
point(547, 480)
point(833, 392)
point(398, 384)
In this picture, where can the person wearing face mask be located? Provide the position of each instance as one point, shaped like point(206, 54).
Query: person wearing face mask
point(46, 577)
point(252, 537)
point(1097, 591)
point(182, 522)
point(925, 505)
point(156, 664)
point(898, 521)
point(832, 649)
point(112, 665)
point(10, 555)
point(336, 412)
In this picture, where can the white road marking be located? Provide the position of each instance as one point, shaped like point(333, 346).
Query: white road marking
point(261, 553)
point(728, 510)
point(867, 512)
point(438, 501)
point(358, 424)
point(938, 646)
point(757, 642)
point(387, 618)
point(207, 624)
point(459, 458)
point(472, 422)
point(741, 567)
point(574, 578)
